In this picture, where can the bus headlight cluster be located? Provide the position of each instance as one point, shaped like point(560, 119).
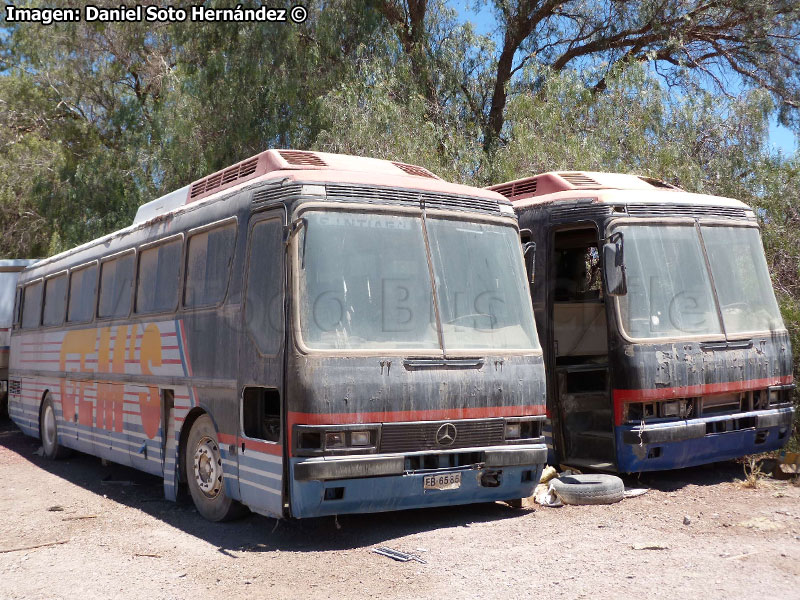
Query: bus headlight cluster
point(523, 428)
point(310, 440)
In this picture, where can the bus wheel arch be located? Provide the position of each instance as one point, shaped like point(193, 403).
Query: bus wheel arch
point(193, 415)
point(202, 466)
point(48, 429)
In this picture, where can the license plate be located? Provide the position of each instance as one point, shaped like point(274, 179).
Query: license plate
point(442, 481)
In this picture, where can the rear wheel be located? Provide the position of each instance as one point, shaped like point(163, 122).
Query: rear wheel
point(203, 467)
point(48, 431)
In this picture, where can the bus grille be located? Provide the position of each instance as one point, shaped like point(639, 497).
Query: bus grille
point(416, 199)
point(414, 437)
point(274, 193)
point(684, 210)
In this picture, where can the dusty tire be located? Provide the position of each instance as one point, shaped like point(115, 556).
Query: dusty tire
point(203, 468)
point(589, 489)
point(48, 431)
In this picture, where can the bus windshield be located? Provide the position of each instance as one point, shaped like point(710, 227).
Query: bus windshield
point(670, 292)
point(365, 283)
point(744, 289)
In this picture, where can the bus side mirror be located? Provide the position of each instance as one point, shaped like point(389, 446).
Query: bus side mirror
point(614, 266)
point(529, 252)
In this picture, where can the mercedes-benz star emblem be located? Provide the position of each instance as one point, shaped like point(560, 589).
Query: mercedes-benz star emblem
point(446, 434)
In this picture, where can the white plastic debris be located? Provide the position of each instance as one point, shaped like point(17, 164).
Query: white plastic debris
point(633, 492)
point(546, 495)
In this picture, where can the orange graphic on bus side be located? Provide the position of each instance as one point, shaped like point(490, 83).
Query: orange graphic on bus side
point(110, 396)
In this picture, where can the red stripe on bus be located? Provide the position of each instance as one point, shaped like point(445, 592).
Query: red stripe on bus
point(621, 397)
point(451, 414)
point(264, 447)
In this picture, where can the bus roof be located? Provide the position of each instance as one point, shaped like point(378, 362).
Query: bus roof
point(604, 188)
point(293, 166)
point(302, 165)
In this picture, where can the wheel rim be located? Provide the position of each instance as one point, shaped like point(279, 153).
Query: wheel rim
point(49, 428)
point(208, 467)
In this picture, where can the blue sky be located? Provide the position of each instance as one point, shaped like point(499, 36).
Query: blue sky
point(482, 18)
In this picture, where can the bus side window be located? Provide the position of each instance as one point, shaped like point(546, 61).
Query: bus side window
point(157, 286)
point(261, 414)
point(55, 299)
point(208, 266)
point(264, 302)
point(17, 307)
point(31, 305)
point(82, 288)
point(116, 283)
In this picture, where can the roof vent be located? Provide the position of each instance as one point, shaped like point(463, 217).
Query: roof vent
point(223, 179)
point(578, 179)
point(415, 170)
point(528, 186)
point(302, 158)
point(515, 189)
point(658, 183)
point(506, 190)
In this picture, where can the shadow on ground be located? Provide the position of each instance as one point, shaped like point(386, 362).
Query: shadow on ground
point(704, 475)
point(254, 533)
point(261, 534)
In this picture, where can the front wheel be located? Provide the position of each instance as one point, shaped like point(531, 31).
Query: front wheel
point(48, 431)
point(203, 464)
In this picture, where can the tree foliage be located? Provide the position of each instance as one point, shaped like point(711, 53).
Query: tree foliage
point(97, 118)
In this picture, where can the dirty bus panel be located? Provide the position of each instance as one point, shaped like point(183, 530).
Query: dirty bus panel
point(9, 273)
point(684, 359)
point(295, 334)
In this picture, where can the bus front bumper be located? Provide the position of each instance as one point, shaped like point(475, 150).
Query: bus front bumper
point(376, 483)
point(692, 442)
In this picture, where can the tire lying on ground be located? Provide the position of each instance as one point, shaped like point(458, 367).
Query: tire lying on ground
point(589, 489)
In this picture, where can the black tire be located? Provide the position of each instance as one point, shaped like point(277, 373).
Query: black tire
point(203, 468)
point(589, 489)
point(48, 431)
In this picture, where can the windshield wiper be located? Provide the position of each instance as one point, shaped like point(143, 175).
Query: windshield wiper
point(428, 363)
point(735, 345)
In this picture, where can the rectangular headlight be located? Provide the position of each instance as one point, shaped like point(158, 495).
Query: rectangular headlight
point(359, 438)
point(334, 439)
point(671, 409)
point(512, 430)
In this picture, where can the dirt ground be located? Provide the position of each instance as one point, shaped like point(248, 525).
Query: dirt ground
point(120, 539)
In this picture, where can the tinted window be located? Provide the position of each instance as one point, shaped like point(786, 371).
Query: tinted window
point(158, 278)
point(32, 305)
point(82, 288)
point(365, 282)
point(264, 308)
point(116, 281)
point(669, 291)
point(480, 285)
point(55, 297)
point(742, 279)
point(8, 282)
point(208, 265)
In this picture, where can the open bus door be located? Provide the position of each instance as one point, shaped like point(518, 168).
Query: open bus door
point(578, 349)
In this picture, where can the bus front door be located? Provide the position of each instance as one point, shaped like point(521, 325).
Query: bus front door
point(261, 386)
point(580, 350)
